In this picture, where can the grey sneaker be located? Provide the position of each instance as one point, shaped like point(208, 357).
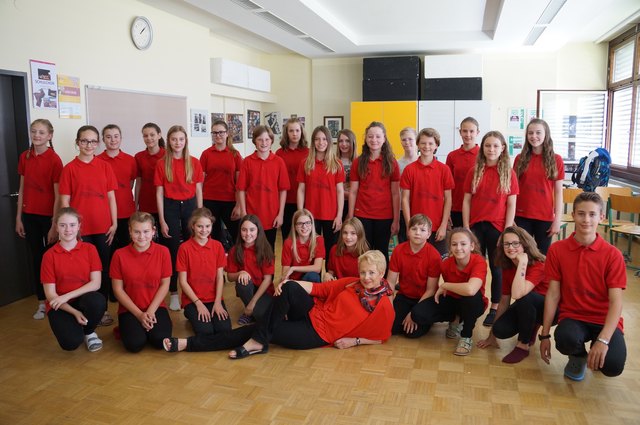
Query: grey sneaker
point(575, 368)
point(453, 331)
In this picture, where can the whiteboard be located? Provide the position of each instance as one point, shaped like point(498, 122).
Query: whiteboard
point(130, 110)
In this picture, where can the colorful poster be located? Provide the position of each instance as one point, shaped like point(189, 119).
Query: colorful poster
point(515, 145)
point(253, 120)
point(234, 121)
point(516, 118)
point(44, 84)
point(69, 97)
point(272, 120)
point(531, 114)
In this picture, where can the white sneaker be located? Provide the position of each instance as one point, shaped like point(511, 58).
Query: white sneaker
point(174, 303)
point(93, 342)
point(39, 314)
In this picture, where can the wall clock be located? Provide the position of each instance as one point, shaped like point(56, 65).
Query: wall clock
point(141, 32)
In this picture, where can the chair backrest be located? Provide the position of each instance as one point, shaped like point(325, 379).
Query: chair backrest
point(604, 192)
point(627, 204)
point(569, 194)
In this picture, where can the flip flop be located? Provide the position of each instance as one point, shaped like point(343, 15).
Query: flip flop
point(170, 345)
point(242, 352)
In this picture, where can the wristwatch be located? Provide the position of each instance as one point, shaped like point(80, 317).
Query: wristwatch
point(543, 337)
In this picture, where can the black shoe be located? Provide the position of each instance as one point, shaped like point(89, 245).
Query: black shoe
point(488, 321)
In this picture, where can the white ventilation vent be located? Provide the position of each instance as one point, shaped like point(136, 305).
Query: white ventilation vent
point(247, 4)
point(533, 36)
point(315, 43)
point(273, 19)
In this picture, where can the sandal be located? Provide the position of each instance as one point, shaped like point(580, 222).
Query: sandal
point(93, 342)
point(453, 330)
point(106, 320)
point(242, 352)
point(170, 345)
point(464, 347)
point(245, 320)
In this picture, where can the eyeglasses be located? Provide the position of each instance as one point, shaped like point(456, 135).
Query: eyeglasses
point(85, 142)
point(515, 244)
point(303, 224)
point(218, 133)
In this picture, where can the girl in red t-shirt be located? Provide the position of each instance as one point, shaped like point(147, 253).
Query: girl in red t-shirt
point(343, 258)
point(489, 204)
point(71, 280)
point(146, 160)
point(523, 280)
point(39, 169)
point(221, 166)
point(178, 180)
point(303, 251)
point(375, 189)
point(540, 173)
point(460, 161)
point(250, 265)
point(320, 186)
point(294, 148)
point(200, 267)
point(347, 151)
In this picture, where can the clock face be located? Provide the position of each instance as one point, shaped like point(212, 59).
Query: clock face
point(141, 33)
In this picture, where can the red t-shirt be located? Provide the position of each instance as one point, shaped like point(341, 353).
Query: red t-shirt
point(487, 204)
point(535, 199)
point(88, 185)
point(69, 270)
point(414, 268)
point(427, 184)
point(374, 199)
point(147, 171)
point(201, 263)
point(337, 313)
point(141, 273)
point(263, 180)
point(460, 162)
point(251, 266)
point(306, 259)
point(477, 267)
point(220, 168)
point(292, 159)
point(345, 265)
point(179, 189)
point(320, 191)
point(40, 173)
point(534, 274)
point(585, 274)
point(125, 168)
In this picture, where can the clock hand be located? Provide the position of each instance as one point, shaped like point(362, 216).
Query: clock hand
point(143, 30)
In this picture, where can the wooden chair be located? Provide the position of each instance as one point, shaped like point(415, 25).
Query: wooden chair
point(625, 204)
point(605, 193)
point(568, 195)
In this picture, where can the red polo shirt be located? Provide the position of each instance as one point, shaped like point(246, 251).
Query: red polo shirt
point(220, 168)
point(345, 265)
point(69, 270)
point(125, 168)
point(535, 199)
point(320, 192)
point(460, 162)
point(374, 200)
point(40, 173)
point(179, 189)
point(146, 171)
point(534, 274)
point(88, 185)
point(487, 204)
point(585, 274)
point(251, 266)
point(201, 263)
point(427, 184)
point(306, 259)
point(263, 180)
point(292, 159)
point(477, 267)
point(414, 268)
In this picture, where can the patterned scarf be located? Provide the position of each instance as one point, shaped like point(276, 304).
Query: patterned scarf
point(369, 298)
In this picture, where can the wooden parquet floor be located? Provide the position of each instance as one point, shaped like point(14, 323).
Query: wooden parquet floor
point(401, 382)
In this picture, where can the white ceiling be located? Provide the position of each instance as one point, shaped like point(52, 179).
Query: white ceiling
point(333, 28)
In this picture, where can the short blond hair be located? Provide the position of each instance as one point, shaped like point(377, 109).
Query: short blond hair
point(375, 258)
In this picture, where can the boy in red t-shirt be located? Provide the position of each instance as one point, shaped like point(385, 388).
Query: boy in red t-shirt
point(586, 278)
point(460, 161)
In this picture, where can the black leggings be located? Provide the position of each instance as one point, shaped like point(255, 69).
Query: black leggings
point(325, 228)
point(213, 327)
point(488, 237)
point(428, 312)
point(99, 240)
point(246, 292)
point(521, 318)
point(121, 238)
point(289, 210)
point(69, 333)
point(36, 228)
point(378, 233)
point(222, 210)
point(176, 215)
point(537, 229)
point(403, 306)
point(134, 336)
point(571, 335)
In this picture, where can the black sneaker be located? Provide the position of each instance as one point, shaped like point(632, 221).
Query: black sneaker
point(488, 321)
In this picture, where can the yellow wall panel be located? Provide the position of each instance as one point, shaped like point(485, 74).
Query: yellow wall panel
point(362, 113)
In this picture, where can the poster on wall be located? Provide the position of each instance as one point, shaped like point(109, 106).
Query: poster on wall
point(301, 119)
point(253, 120)
point(199, 124)
point(515, 145)
point(217, 116)
point(234, 121)
point(272, 120)
point(69, 97)
point(44, 84)
point(531, 114)
point(516, 118)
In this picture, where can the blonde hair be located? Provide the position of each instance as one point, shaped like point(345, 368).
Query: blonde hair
point(294, 236)
point(45, 122)
point(503, 167)
point(374, 258)
point(362, 245)
point(168, 158)
point(331, 161)
point(284, 140)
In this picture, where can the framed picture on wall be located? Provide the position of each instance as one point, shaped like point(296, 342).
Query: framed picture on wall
point(272, 120)
point(334, 124)
point(234, 121)
point(253, 120)
point(215, 116)
point(199, 122)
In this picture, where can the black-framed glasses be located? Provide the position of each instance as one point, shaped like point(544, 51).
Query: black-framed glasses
point(218, 133)
point(86, 142)
point(514, 244)
point(303, 223)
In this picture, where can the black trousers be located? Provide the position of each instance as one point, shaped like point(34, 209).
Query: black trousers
point(378, 233)
point(69, 333)
point(222, 210)
point(488, 237)
point(213, 327)
point(521, 318)
point(135, 337)
point(289, 210)
point(121, 238)
point(571, 335)
point(325, 228)
point(403, 306)
point(36, 228)
point(271, 236)
point(99, 240)
point(456, 219)
point(245, 293)
point(537, 229)
point(428, 312)
point(176, 215)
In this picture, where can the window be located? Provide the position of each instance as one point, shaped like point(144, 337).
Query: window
point(623, 136)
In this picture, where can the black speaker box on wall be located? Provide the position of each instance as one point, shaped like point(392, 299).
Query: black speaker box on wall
point(391, 68)
point(391, 89)
point(452, 89)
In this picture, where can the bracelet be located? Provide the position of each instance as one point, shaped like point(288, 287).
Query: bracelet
point(602, 340)
point(357, 341)
point(196, 300)
point(543, 337)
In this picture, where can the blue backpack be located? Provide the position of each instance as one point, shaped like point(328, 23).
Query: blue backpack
point(593, 170)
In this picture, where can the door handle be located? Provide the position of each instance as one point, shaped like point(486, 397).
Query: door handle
point(11, 195)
